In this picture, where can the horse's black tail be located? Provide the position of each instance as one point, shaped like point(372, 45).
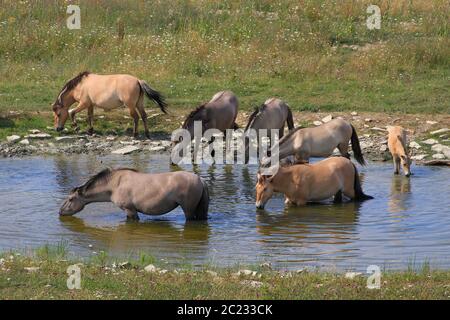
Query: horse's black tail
point(201, 212)
point(357, 148)
point(359, 194)
point(153, 95)
point(290, 120)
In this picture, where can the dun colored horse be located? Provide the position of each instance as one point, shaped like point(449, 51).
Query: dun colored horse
point(273, 114)
point(107, 92)
point(320, 141)
point(219, 113)
point(397, 146)
point(303, 183)
point(133, 192)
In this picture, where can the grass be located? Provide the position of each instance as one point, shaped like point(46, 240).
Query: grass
point(104, 278)
point(317, 55)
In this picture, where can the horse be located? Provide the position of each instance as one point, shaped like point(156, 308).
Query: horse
point(107, 92)
point(397, 146)
point(219, 113)
point(272, 114)
point(319, 141)
point(133, 192)
point(302, 183)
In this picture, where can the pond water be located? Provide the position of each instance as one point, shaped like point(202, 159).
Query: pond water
point(408, 222)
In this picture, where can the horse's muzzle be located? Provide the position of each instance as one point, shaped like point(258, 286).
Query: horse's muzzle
point(259, 205)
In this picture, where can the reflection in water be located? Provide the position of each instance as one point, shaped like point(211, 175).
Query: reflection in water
point(400, 193)
point(349, 235)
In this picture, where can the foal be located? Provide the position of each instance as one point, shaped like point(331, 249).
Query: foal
point(397, 147)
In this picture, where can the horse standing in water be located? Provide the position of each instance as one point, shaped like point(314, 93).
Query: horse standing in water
point(397, 146)
point(133, 192)
point(273, 114)
point(320, 141)
point(219, 113)
point(303, 183)
point(107, 92)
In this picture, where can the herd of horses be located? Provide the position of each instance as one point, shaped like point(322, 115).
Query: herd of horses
point(156, 194)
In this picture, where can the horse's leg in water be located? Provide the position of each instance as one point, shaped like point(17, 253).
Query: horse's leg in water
point(343, 149)
point(131, 214)
point(338, 197)
point(141, 109)
point(396, 165)
point(81, 106)
point(90, 120)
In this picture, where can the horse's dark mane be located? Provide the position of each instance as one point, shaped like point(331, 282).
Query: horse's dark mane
point(102, 175)
point(72, 83)
point(191, 116)
point(254, 114)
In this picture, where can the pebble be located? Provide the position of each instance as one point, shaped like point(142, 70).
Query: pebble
point(150, 268)
point(430, 141)
point(439, 148)
point(38, 136)
point(252, 283)
point(352, 275)
point(354, 113)
point(431, 122)
point(14, 138)
point(126, 150)
point(414, 145)
point(438, 156)
point(317, 123)
point(328, 118)
point(25, 142)
point(157, 149)
point(419, 157)
point(443, 130)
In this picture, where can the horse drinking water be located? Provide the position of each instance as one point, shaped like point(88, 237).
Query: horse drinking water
point(133, 192)
point(303, 183)
point(107, 92)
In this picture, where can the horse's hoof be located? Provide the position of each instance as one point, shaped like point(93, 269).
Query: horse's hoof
point(147, 135)
point(90, 132)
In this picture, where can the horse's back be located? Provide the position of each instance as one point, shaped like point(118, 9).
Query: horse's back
point(222, 110)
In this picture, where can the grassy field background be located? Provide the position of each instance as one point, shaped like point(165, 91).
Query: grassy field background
point(317, 55)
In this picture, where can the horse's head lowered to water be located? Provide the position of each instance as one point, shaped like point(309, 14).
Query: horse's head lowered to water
point(264, 190)
point(95, 189)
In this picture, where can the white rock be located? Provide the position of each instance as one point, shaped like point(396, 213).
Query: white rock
point(245, 272)
point(34, 131)
point(165, 143)
point(14, 138)
point(443, 130)
point(150, 268)
point(38, 136)
point(439, 148)
point(431, 122)
point(31, 269)
point(212, 273)
point(378, 129)
point(419, 157)
point(430, 141)
point(446, 153)
point(414, 145)
point(317, 123)
point(383, 148)
point(438, 156)
point(126, 150)
point(163, 271)
point(328, 118)
point(67, 138)
point(354, 113)
point(157, 149)
point(368, 120)
point(25, 142)
point(352, 275)
point(110, 138)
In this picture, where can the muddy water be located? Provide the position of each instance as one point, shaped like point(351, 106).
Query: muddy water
point(407, 223)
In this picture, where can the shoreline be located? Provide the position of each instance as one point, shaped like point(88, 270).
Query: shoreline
point(429, 135)
point(44, 275)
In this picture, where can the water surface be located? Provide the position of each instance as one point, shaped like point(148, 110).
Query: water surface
point(407, 223)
